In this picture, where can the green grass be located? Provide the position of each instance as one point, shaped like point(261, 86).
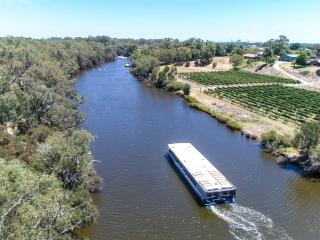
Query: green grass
point(232, 77)
point(275, 101)
point(222, 118)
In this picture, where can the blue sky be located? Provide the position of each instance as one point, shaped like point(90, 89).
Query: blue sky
point(218, 20)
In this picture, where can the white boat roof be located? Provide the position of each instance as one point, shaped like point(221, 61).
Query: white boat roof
point(207, 176)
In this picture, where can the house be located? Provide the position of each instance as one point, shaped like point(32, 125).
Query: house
point(314, 61)
point(288, 57)
point(251, 56)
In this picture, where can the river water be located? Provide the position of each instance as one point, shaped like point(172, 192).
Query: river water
point(144, 197)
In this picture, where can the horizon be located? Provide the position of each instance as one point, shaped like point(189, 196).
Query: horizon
point(152, 20)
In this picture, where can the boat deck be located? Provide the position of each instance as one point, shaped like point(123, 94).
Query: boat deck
point(203, 172)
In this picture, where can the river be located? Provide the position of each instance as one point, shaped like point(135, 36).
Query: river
point(144, 197)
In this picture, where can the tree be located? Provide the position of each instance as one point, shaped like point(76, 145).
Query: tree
point(280, 46)
point(308, 137)
point(143, 65)
point(236, 61)
point(295, 46)
point(162, 78)
point(186, 89)
point(238, 51)
point(67, 158)
point(34, 205)
point(302, 59)
point(268, 55)
point(220, 50)
point(183, 54)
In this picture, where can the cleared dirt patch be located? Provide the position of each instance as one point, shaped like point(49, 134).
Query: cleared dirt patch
point(223, 64)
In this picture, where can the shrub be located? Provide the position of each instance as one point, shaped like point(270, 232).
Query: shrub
point(214, 64)
point(191, 100)
point(302, 59)
point(272, 141)
point(234, 125)
point(175, 86)
point(186, 89)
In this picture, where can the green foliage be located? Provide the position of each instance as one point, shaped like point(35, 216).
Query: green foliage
point(9, 107)
point(308, 137)
point(175, 86)
point(236, 60)
point(273, 141)
point(270, 60)
point(302, 59)
point(67, 158)
point(279, 46)
point(220, 50)
point(38, 101)
point(186, 89)
point(191, 100)
point(275, 101)
point(229, 122)
point(34, 205)
point(232, 77)
point(237, 51)
point(143, 65)
point(295, 46)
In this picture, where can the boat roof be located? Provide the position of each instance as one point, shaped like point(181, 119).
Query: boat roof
point(207, 176)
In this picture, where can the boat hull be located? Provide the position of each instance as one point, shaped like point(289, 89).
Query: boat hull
point(200, 194)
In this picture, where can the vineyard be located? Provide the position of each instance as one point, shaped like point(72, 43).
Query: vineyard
point(232, 77)
point(275, 101)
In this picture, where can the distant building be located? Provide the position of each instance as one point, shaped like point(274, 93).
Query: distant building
point(288, 57)
point(249, 56)
point(314, 61)
point(256, 56)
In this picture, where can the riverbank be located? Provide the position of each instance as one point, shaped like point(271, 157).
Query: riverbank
point(144, 120)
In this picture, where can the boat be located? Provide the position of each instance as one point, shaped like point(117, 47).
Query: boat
point(210, 186)
point(127, 65)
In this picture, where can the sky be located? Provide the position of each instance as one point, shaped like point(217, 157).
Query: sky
point(216, 20)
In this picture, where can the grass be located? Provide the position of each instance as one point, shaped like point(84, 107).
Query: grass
point(233, 77)
point(222, 118)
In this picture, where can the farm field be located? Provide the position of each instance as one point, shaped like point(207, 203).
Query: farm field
point(232, 78)
point(277, 102)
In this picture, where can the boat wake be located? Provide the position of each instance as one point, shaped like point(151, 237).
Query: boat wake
point(246, 223)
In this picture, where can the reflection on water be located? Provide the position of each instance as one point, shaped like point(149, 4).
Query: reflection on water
point(144, 197)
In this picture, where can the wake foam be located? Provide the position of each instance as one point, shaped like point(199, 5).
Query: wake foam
point(248, 224)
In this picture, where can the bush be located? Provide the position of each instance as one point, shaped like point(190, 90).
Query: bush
point(236, 61)
point(175, 86)
point(191, 100)
point(214, 64)
point(186, 89)
point(302, 59)
point(272, 141)
point(234, 125)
